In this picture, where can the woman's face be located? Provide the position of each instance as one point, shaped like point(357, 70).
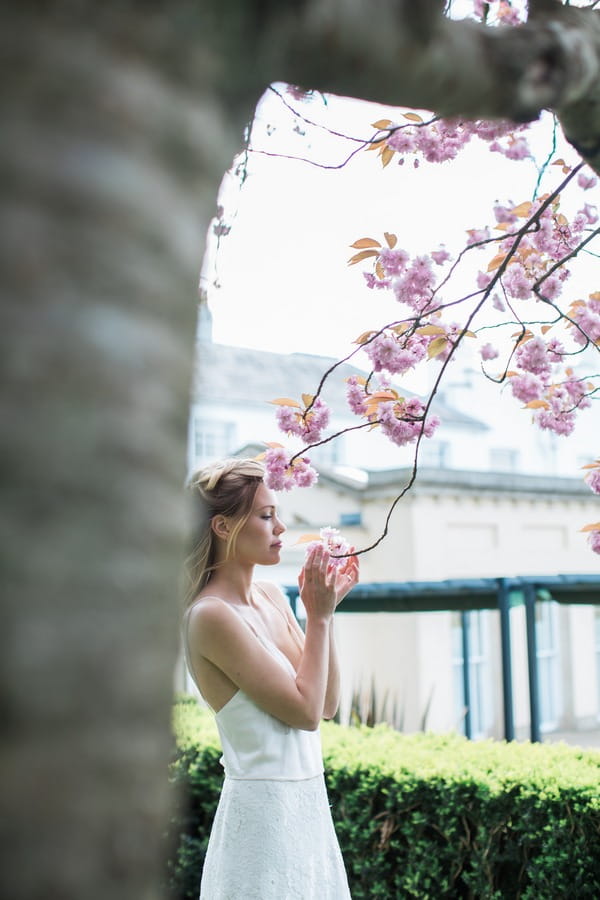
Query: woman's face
point(258, 541)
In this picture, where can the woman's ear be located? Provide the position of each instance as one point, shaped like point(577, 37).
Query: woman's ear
point(220, 527)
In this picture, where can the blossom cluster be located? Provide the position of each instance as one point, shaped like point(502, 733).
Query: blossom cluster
point(284, 472)
point(307, 425)
point(402, 421)
point(333, 541)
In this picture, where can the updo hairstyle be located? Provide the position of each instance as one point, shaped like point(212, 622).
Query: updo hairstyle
point(225, 488)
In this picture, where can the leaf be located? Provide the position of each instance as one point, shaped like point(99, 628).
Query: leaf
point(391, 239)
point(307, 399)
point(307, 538)
point(561, 219)
point(260, 456)
point(522, 210)
point(412, 117)
point(363, 338)
point(545, 329)
point(469, 334)
point(536, 404)
point(437, 346)
point(594, 465)
point(431, 329)
point(377, 144)
point(379, 271)
point(274, 445)
point(593, 526)
point(387, 154)
point(381, 123)
point(594, 296)
point(378, 396)
point(285, 401)
point(358, 378)
point(364, 254)
point(502, 226)
point(365, 242)
point(496, 262)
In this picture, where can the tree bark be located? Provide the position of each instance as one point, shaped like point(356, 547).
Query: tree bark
point(118, 122)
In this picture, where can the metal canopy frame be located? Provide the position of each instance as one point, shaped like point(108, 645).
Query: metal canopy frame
point(463, 595)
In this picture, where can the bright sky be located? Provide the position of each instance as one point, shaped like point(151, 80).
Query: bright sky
point(280, 281)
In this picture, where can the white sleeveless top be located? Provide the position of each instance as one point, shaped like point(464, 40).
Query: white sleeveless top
point(255, 744)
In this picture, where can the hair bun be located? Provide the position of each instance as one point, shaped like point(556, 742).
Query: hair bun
point(209, 477)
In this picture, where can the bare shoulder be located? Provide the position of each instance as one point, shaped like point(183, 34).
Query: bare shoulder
point(208, 618)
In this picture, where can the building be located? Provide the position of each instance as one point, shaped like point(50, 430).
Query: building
point(511, 512)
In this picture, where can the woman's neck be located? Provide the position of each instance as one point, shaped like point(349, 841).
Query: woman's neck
point(233, 581)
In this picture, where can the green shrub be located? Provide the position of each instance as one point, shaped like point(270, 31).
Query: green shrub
point(427, 816)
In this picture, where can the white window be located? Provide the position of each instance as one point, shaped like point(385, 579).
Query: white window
point(211, 439)
point(434, 453)
point(504, 459)
point(548, 662)
point(480, 706)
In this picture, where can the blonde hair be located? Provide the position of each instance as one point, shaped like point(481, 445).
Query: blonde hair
point(225, 488)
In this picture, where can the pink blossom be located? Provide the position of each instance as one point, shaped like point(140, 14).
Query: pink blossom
point(282, 474)
point(483, 280)
point(592, 479)
point(590, 213)
point(333, 541)
point(551, 287)
point(403, 426)
point(594, 541)
point(504, 214)
point(393, 261)
point(488, 352)
point(477, 235)
point(308, 425)
point(517, 149)
point(402, 141)
point(586, 181)
point(533, 357)
point(440, 256)
point(526, 387)
point(355, 394)
point(516, 283)
point(497, 303)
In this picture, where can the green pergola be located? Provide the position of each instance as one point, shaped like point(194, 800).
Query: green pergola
point(463, 595)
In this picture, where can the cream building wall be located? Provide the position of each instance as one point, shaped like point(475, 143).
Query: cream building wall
point(456, 525)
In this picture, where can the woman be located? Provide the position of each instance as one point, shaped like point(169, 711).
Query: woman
point(269, 685)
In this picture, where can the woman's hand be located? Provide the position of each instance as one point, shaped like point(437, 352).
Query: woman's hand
point(319, 579)
point(318, 583)
point(346, 577)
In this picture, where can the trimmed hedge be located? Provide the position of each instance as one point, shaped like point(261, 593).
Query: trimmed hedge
point(425, 815)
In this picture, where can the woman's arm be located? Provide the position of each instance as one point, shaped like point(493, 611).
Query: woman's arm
point(217, 634)
point(346, 577)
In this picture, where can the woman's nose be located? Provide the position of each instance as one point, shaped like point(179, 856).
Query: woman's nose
point(279, 527)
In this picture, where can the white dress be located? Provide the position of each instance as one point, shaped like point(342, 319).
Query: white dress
point(272, 837)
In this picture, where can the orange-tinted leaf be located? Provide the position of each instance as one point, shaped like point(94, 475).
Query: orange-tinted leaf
point(522, 210)
point(412, 117)
point(376, 145)
point(536, 404)
point(307, 399)
point(594, 296)
point(593, 526)
point(365, 242)
point(545, 329)
point(383, 395)
point(363, 338)
point(437, 346)
point(431, 329)
point(379, 271)
point(594, 465)
point(260, 456)
point(307, 538)
point(381, 123)
point(562, 219)
point(285, 401)
point(364, 254)
point(496, 262)
point(501, 226)
point(391, 239)
point(359, 379)
point(274, 445)
point(387, 154)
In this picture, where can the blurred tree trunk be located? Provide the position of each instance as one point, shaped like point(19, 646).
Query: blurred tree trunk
point(118, 120)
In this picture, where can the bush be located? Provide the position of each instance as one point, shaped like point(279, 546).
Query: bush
point(427, 816)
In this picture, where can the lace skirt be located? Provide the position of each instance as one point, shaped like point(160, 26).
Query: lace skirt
point(273, 840)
